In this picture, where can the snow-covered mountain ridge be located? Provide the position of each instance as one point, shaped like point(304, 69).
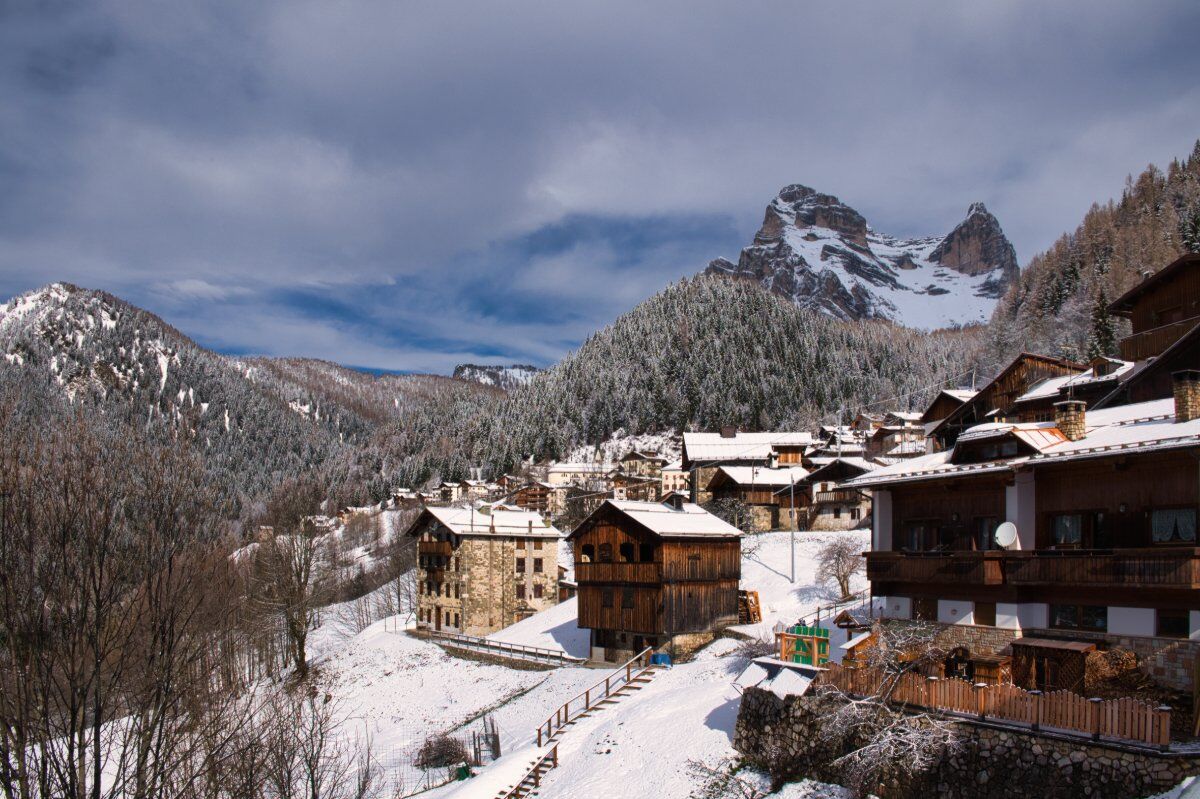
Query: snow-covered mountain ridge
point(821, 254)
point(505, 377)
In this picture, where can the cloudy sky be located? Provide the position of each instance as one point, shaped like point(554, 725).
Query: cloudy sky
point(408, 185)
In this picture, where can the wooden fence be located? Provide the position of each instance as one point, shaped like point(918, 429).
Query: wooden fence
point(1124, 719)
point(502, 649)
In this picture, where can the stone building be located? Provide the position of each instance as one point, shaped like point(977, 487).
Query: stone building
point(481, 569)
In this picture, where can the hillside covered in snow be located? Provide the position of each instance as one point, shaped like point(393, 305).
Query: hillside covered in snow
point(821, 254)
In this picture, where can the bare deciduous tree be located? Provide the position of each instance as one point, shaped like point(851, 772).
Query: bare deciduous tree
point(838, 562)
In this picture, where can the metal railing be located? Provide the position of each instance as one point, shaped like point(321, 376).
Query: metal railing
point(504, 649)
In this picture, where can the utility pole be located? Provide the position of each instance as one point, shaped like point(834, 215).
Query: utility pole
point(793, 502)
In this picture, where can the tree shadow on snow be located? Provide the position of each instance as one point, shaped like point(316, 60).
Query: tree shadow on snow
point(571, 637)
point(723, 717)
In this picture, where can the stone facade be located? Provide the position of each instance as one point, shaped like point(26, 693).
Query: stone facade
point(481, 589)
point(990, 762)
point(1170, 662)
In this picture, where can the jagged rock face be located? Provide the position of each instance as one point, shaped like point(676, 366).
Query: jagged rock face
point(819, 252)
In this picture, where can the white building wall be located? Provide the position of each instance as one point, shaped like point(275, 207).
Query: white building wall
point(956, 611)
point(896, 607)
point(1007, 615)
point(881, 521)
point(1032, 614)
point(1194, 626)
point(1019, 509)
point(1131, 621)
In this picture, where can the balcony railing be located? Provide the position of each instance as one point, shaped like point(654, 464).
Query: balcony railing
point(434, 548)
point(1129, 568)
point(837, 496)
point(1177, 567)
point(618, 572)
point(962, 568)
point(1155, 340)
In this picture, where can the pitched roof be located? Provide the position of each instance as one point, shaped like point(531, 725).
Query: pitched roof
point(504, 523)
point(1053, 386)
point(762, 475)
point(739, 447)
point(1123, 429)
point(689, 521)
point(1123, 305)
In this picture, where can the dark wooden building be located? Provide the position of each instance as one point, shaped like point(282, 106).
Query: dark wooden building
point(661, 575)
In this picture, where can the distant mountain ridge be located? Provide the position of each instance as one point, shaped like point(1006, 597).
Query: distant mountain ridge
point(821, 254)
point(505, 377)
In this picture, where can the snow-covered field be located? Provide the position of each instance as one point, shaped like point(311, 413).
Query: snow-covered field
point(397, 690)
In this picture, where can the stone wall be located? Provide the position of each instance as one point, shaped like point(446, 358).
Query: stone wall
point(991, 762)
point(975, 637)
point(1168, 661)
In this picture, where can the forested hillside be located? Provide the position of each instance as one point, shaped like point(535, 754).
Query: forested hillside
point(1057, 305)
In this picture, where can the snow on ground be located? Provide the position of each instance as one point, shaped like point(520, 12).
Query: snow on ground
point(667, 444)
point(554, 628)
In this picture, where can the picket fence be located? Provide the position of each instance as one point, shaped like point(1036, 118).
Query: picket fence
point(1124, 719)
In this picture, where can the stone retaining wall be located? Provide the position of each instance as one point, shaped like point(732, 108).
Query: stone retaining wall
point(992, 762)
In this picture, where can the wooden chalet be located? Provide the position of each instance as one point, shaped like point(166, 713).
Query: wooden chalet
point(704, 453)
point(821, 501)
point(1104, 504)
point(654, 575)
point(947, 401)
point(481, 569)
point(540, 497)
point(756, 487)
point(643, 488)
point(642, 464)
point(1161, 310)
point(997, 400)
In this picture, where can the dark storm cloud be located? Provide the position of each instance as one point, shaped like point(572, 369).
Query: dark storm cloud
point(406, 185)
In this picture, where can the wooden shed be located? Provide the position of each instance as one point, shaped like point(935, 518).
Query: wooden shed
point(663, 575)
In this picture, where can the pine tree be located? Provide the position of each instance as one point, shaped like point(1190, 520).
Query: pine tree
point(1102, 337)
point(1189, 229)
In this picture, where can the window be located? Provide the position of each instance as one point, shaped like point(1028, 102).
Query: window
point(626, 550)
point(1079, 617)
point(537, 544)
point(1172, 624)
point(917, 536)
point(456, 620)
point(1171, 525)
point(588, 553)
point(854, 513)
point(520, 591)
point(983, 535)
point(606, 597)
point(606, 553)
point(537, 591)
point(458, 591)
point(924, 609)
point(447, 618)
point(626, 598)
point(837, 511)
point(537, 565)
point(985, 614)
point(520, 565)
point(457, 563)
point(1067, 529)
point(646, 553)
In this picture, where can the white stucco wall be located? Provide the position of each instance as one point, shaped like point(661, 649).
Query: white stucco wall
point(1033, 614)
point(1007, 615)
point(956, 611)
point(1131, 621)
point(1019, 509)
point(1194, 625)
point(896, 607)
point(881, 521)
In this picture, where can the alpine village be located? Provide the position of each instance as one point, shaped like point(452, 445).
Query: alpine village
point(528, 493)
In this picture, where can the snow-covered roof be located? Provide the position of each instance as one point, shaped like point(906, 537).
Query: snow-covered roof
point(688, 521)
point(673, 466)
point(1127, 429)
point(963, 394)
point(1053, 386)
point(581, 468)
point(500, 522)
point(764, 476)
point(906, 416)
point(739, 447)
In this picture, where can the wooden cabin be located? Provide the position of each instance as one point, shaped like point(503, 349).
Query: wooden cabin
point(757, 488)
point(540, 497)
point(481, 569)
point(1161, 309)
point(642, 464)
point(704, 453)
point(655, 575)
point(947, 401)
point(822, 502)
point(643, 488)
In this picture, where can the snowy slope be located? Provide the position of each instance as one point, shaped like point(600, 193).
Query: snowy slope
point(505, 377)
point(822, 254)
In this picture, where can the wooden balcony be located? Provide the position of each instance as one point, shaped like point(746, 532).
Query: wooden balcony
point(941, 568)
point(849, 496)
point(618, 572)
point(1129, 568)
point(442, 548)
point(1155, 340)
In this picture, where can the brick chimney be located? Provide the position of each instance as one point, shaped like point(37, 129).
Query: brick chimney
point(1187, 394)
point(1071, 418)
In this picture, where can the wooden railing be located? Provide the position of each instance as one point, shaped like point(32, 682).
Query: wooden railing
point(442, 548)
point(623, 676)
point(1154, 341)
point(1124, 719)
point(963, 568)
point(837, 496)
point(1175, 567)
point(531, 780)
point(618, 572)
point(1130, 568)
point(502, 649)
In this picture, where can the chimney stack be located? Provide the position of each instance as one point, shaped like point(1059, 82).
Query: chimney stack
point(1071, 418)
point(728, 431)
point(1187, 394)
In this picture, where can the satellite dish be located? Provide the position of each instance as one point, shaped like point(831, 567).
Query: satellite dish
point(1006, 535)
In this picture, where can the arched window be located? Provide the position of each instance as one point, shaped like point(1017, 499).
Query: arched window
point(606, 553)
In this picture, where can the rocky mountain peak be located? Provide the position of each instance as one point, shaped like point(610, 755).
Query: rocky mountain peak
point(821, 253)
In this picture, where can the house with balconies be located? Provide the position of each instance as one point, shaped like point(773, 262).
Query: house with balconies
point(481, 568)
point(1104, 504)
